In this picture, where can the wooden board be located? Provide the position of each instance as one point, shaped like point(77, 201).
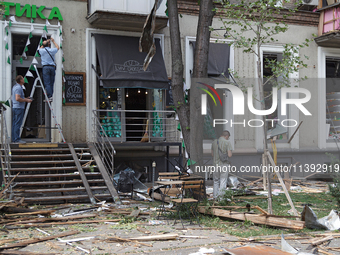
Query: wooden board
point(38, 145)
point(255, 218)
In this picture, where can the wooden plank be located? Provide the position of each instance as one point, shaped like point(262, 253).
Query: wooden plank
point(55, 175)
point(60, 190)
point(42, 212)
point(38, 240)
point(56, 182)
point(104, 173)
point(70, 197)
point(42, 156)
point(40, 220)
point(36, 169)
point(283, 185)
point(255, 218)
point(9, 240)
point(43, 162)
point(38, 145)
point(156, 237)
point(48, 224)
point(321, 20)
point(291, 138)
point(82, 174)
point(322, 240)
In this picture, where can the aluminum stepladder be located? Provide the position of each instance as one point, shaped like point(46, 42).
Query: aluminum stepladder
point(35, 84)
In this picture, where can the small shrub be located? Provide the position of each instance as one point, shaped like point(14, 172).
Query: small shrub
point(335, 188)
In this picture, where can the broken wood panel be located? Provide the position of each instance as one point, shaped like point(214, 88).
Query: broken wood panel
point(104, 173)
point(82, 174)
point(255, 218)
point(69, 175)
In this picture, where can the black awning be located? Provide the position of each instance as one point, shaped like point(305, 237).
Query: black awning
point(121, 63)
point(218, 59)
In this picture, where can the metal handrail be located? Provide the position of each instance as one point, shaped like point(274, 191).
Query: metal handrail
point(103, 145)
point(154, 125)
point(5, 151)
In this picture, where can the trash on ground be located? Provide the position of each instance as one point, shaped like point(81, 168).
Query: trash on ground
point(203, 251)
point(330, 222)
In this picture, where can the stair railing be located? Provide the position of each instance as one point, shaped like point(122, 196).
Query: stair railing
point(5, 151)
point(103, 145)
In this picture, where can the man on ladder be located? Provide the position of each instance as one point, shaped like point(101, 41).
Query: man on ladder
point(49, 66)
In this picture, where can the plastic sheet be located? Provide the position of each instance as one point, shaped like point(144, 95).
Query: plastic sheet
point(330, 222)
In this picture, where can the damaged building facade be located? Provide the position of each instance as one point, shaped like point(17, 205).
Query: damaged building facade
point(100, 77)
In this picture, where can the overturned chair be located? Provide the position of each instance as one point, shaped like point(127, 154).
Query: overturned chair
point(192, 194)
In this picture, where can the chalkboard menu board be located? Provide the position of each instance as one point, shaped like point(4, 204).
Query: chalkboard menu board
point(75, 88)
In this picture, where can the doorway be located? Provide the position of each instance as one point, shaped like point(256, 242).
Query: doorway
point(135, 99)
point(37, 125)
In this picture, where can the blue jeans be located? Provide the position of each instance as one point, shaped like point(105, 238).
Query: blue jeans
point(17, 118)
point(49, 77)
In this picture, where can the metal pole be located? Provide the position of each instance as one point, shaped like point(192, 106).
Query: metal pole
point(153, 180)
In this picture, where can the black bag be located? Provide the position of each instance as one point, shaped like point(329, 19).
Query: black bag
point(125, 181)
point(223, 157)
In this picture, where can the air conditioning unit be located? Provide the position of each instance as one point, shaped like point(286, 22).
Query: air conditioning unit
point(310, 2)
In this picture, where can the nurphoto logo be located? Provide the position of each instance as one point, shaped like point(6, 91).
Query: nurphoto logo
point(238, 104)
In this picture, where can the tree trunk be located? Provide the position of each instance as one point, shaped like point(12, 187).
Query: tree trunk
point(265, 126)
point(200, 70)
point(182, 108)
